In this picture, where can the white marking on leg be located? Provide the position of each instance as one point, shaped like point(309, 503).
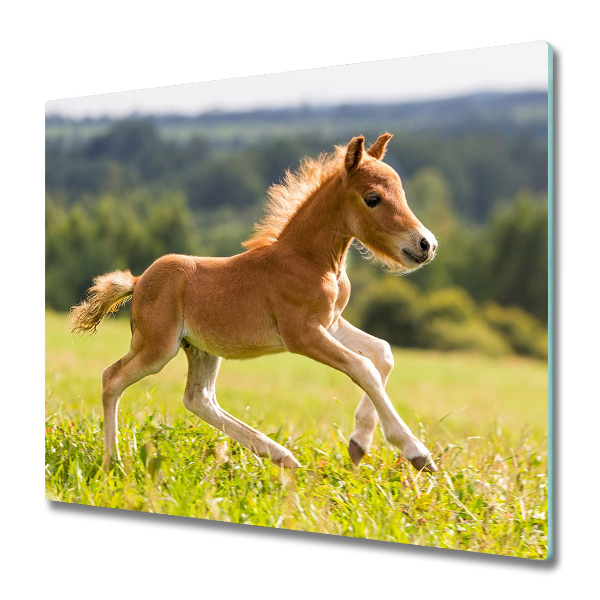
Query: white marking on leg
point(380, 354)
point(200, 398)
point(395, 429)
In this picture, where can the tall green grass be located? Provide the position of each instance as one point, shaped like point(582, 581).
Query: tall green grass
point(485, 420)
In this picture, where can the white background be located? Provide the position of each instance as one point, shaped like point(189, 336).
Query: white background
point(427, 76)
point(61, 49)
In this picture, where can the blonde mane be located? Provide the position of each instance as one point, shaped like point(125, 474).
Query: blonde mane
point(285, 198)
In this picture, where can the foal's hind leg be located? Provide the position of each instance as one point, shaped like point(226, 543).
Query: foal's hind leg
point(145, 357)
point(200, 398)
point(380, 354)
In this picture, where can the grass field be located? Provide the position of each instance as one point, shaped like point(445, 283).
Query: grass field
point(485, 419)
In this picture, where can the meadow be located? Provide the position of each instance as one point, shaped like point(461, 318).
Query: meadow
point(484, 418)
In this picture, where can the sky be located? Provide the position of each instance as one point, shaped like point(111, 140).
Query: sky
point(502, 68)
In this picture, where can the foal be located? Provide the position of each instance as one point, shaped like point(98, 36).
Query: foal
point(286, 292)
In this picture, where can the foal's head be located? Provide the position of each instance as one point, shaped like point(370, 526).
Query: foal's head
point(378, 214)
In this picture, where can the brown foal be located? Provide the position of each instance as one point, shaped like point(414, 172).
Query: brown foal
point(286, 292)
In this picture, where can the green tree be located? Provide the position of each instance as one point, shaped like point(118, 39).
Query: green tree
point(228, 181)
point(393, 311)
point(518, 264)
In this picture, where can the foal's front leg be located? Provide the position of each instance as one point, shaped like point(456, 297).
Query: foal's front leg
point(380, 354)
point(317, 343)
point(200, 398)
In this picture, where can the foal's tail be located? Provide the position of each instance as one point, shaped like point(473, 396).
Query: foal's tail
point(107, 295)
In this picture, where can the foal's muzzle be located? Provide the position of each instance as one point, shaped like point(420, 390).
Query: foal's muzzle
point(423, 254)
point(419, 259)
point(419, 248)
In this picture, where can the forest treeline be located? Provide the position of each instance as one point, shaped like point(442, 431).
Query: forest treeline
point(124, 197)
point(481, 167)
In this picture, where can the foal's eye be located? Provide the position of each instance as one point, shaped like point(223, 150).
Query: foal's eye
point(372, 200)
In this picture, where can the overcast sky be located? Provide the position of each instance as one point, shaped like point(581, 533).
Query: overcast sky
point(502, 68)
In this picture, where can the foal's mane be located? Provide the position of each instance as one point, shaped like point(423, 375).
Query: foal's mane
point(285, 198)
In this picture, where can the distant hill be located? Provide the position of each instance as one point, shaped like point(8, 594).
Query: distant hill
point(501, 113)
point(487, 147)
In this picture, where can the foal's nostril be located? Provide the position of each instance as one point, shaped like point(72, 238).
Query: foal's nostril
point(424, 245)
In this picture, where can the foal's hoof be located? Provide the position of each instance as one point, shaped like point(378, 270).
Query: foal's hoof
point(356, 452)
point(288, 462)
point(423, 463)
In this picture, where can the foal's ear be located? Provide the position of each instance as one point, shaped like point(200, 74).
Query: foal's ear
point(354, 154)
point(378, 149)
